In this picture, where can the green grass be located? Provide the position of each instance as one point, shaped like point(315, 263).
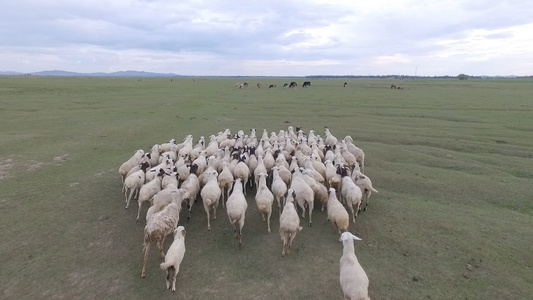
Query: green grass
point(452, 160)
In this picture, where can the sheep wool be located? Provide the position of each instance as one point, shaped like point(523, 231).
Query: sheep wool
point(352, 277)
point(174, 257)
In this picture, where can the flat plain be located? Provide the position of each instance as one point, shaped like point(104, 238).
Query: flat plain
point(452, 160)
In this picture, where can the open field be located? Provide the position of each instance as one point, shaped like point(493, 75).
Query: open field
point(452, 160)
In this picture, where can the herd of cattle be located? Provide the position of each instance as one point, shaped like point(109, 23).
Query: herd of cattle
point(293, 84)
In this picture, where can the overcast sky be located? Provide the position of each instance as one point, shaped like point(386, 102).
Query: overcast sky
point(269, 38)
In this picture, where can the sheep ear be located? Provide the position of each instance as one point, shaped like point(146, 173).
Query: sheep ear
point(183, 232)
point(356, 238)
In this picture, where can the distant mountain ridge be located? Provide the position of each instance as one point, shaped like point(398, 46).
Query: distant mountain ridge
point(129, 73)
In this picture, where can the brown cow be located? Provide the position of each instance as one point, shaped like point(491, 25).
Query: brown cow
point(393, 87)
point(258, 85)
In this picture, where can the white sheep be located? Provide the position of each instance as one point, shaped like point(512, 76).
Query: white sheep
point(133, 161)
point(172, 178)
point(148, 190)
point(329, 138)
point(236, 209)
point(134, 182)
point(174, 257)
point(242, 171)
point(337, 214)
point(289, 222)
point(166, 146)
point(264, 199)
point(319, 190)
point(351, 194)
point(210, 196)
point(191, 185)
point(358, 152)
point(225, 181)
point(304, 193)
point(352, 277)
point(154, 154)
point(279, 187)
point(364, 183)
point(166, 196)
point(157, 228)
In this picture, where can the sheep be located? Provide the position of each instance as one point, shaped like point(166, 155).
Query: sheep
point(157, 228)
point(364, 183)
point(304, 193)
point(352, 277)
point(191, 185)
point(319, 190)
point(174, 257)
point(201, 162)
point(154, 154)
point(166, 165)
point(133, 161)
point(165, 197)
point(329, 138)
point(337, 214)
point(200, 146)
point(351, 193)
point(210, 196)
point(236, 209)
point(264, 199)
point(358, 152)
point(242, 171)
point(132, 184)
point(167, 146)
point(269, 160)
point(333, 179)
point(279, 187)
point(148, 190)
point(145, 158)
point(225, 180)
point(260, 168)
point(172, 178)
point(289, 222)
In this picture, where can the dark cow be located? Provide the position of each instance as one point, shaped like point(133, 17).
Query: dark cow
point(285, 85)
point(345, 84)
point(293, 84)
point(307, 83)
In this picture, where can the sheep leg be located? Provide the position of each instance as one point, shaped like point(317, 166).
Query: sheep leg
point(367, 192)
point(268, 220)
point(146, 249)
point(206, 207)
point(160, 246)
point(292, 235)
point(241, 225)
point(311, 206)
point(138, 211)
point(174, 278)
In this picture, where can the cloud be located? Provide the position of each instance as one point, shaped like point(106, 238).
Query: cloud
point(266, 37)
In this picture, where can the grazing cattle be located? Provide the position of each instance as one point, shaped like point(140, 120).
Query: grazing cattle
point(242, 85)
point(272, 86)
point(400, 88)
point(345, 84)
point(258, 85)
point(293, 84)
point(307, 83)
point(285, 85)
point(393, 87)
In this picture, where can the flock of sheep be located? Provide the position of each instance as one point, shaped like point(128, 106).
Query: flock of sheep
point(291, 168)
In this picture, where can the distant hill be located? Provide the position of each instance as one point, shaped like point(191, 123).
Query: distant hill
point(99, 74)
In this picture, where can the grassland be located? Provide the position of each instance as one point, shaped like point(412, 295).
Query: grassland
point(452, 160)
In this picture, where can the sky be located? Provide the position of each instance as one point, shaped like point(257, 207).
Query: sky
point(269, 37)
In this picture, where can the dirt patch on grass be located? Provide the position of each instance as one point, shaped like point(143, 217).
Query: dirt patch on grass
point(6, 166)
